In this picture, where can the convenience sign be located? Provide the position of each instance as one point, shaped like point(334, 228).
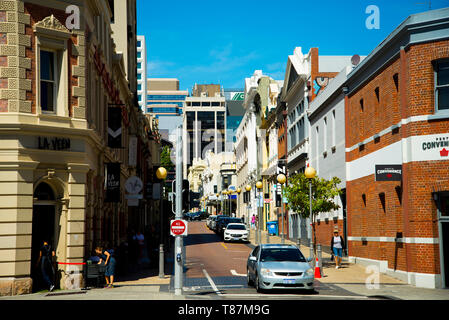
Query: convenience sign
point(390, 172)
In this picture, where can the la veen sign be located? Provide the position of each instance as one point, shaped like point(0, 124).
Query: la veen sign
point(56, 144)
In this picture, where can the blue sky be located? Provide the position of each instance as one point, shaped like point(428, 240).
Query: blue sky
point(204, 41)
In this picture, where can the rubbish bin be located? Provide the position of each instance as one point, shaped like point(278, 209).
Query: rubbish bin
point(272, 227)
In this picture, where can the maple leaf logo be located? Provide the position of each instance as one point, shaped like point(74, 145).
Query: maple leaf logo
point(444, 152)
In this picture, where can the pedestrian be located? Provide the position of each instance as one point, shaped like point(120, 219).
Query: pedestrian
point(243, 219)
point(109, 262)
point(337, 245)
point(140, 239)
point(45, 262)
point(253, 222)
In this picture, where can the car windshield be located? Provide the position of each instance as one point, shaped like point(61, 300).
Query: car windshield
point(236, 227)
point(282, 254)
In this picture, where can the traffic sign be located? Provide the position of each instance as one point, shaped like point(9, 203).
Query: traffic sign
point(178, 227)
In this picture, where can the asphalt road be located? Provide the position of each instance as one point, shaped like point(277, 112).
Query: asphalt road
point(218, 270)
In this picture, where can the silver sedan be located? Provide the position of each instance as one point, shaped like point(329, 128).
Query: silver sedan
point(278, 266)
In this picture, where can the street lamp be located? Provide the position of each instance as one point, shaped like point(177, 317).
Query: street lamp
point(259, 186)
point(238, 199)
point(223, 202)
point(281, 178)
point(310, 173)
point(161, 174)
point(248, 189)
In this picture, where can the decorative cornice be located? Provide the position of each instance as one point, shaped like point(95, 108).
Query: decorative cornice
point(51, 26)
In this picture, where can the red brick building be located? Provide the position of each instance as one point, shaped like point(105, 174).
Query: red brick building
point(397, 115)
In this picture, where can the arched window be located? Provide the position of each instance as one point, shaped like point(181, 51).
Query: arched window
point(44, 192)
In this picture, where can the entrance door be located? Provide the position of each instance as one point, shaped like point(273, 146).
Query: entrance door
point(43, 229)
point(444, 237)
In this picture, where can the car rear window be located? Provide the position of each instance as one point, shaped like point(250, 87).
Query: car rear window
point(236, 227)
point(282, 254)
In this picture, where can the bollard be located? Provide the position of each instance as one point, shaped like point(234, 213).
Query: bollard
point(319, 256)
point(268, 236)
point(161, 261)
point(311, 250)
point(298, 242)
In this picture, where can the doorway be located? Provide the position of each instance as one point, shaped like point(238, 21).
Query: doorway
point(43, 229)
point(443, 215)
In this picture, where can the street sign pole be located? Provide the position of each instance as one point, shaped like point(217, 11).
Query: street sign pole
point(178, 239)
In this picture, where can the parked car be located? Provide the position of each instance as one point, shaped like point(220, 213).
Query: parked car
point(214, 223)
point(222, 223)
point(278, 266)
point(236, 232)
point(209, 220)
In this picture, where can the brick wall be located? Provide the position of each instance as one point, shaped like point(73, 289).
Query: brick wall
point(391, 209)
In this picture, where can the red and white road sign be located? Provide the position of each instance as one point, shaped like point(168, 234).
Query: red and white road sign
point(178, 227)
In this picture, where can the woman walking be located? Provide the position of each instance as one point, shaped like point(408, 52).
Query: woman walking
point(109, 262)
point(337, 245)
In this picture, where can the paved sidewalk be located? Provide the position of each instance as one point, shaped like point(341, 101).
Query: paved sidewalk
point(356, 278)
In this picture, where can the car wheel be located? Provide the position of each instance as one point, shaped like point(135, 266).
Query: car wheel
point(248, 278)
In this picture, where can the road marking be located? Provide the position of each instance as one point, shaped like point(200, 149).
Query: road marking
point(224, 246)
point(212, 283)
point(291, 295)
point(234, 273)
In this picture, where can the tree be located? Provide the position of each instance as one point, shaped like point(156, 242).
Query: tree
point(324, 193)
point(166, 160)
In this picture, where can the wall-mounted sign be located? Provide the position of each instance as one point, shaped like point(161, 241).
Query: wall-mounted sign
point(57, 144)
point(389, 172)
point(114, 127)
point(112, 182)
point(132, 159)
point(134, 185)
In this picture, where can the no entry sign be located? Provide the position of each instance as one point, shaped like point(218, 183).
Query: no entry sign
point(178, 227)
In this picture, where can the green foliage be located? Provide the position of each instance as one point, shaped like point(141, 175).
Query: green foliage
point(323, 195)
point(165, 159)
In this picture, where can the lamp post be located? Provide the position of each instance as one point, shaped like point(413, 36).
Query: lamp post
point(248, 189)
point(281, 178)
point(161, 174)
point(259, 186)
point(223, 202)
point(310, 173)
point(217, 204)
point(238, 199)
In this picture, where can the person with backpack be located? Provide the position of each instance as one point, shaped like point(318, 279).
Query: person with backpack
point(337, 245)
point(45, 262)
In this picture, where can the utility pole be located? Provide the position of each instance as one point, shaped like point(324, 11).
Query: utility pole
point(178, 239)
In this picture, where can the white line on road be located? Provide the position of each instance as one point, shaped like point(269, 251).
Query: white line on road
point(212, 283)
point(234, 273)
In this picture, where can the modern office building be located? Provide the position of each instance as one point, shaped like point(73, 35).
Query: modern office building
point(234, 112)
point(164, 97)
point(142, 72)
point(204, 123)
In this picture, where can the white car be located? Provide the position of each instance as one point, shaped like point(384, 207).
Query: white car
point(236, 232)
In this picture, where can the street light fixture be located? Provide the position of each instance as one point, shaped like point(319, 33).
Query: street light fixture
point(238, 199)
point(161, 174)
point(281, 178)
point(310, 173)
point(259, 186)
point(248, 189)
